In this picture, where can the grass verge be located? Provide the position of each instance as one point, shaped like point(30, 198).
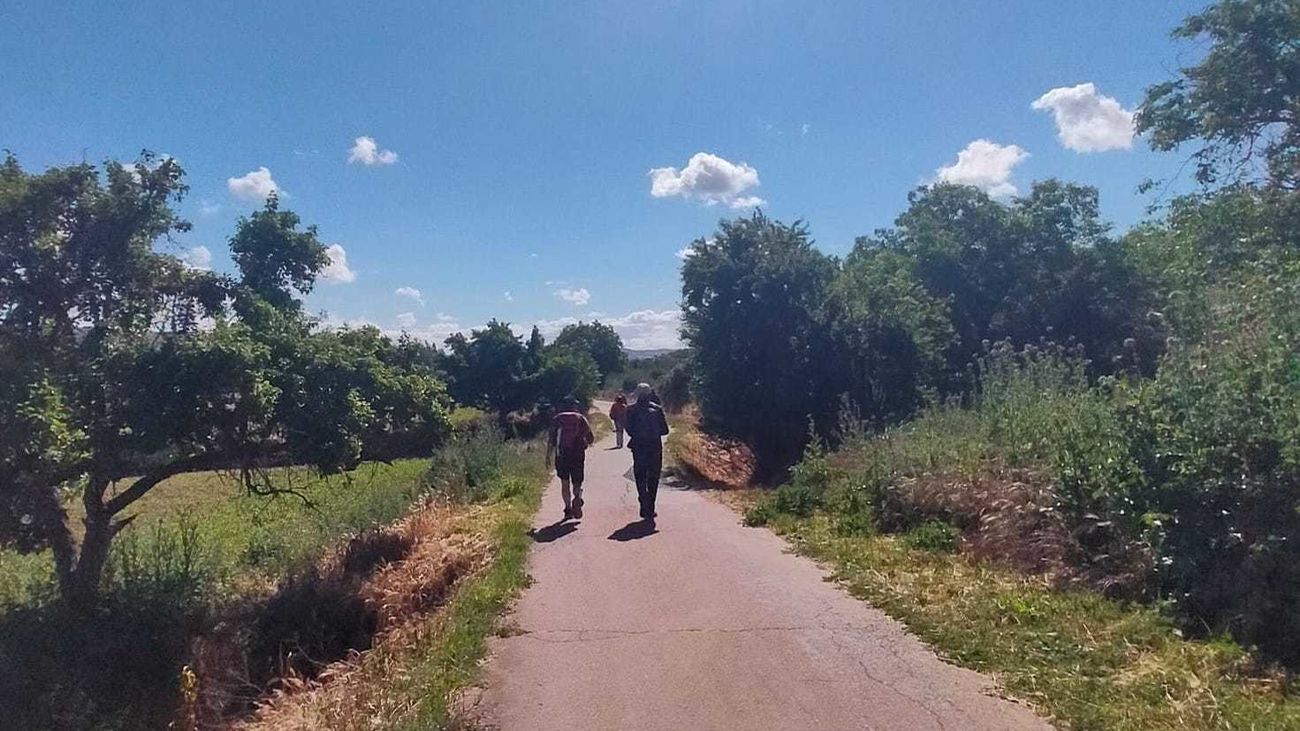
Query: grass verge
point(238, 540)
point(1083, 660)
point(412, 677)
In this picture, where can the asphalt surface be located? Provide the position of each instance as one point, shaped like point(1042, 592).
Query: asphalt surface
point(706, 624)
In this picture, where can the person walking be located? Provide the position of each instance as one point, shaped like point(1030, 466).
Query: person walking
point(646, 427)
point(618, 415)
point(569, 437)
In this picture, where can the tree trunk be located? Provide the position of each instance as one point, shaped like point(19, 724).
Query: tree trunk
point(81, 589)
point(54, 519)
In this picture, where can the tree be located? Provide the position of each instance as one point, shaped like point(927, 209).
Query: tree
point(598, 340)
point(1241, 101)
point(566, 374)
point(488, 368)
point(112, 384)
point(81, 288)
point(274, 257)
point(889, 335)
point(535, 347)
point(1039, 268)
point(751, 302)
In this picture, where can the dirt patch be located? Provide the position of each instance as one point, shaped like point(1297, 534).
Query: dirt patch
point(721, 463)
point(1008, 516)
point(264, 661)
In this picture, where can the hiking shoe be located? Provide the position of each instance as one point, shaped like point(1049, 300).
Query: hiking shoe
point(577, 509)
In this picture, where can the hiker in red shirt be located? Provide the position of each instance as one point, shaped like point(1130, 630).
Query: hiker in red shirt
point(618, 415)
point(569, 438)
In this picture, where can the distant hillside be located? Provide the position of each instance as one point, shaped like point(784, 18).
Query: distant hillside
point(649, 366)
point(650, 353)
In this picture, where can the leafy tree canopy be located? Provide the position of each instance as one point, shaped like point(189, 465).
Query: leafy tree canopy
point(1240, 103)
point(114, 386)
point(598, 340)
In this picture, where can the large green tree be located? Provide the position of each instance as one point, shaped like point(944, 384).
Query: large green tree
point(1041, 267)
point(889, 335)
point(751, 306)
point(489, 367)
point(1241, 103)
point(113, 386)
point(598, 340)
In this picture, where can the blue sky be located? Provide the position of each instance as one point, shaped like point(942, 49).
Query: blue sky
point(513, 143)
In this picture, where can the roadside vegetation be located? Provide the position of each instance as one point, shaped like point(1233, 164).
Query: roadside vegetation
point(1053, 450)
point(669, 374)
point(207, 495)
point(413, 674)
point(214, 608)
point(979, 529)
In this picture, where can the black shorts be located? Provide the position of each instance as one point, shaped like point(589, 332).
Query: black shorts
point(570, 465)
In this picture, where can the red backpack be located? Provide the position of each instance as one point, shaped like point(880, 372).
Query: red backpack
point(573, 431)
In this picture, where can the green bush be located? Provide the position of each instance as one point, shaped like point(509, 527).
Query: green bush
point(468, 419)
point(933, 535)
point(468, 465)
point(1218, 434)
point(798, 500)
point(760, 513)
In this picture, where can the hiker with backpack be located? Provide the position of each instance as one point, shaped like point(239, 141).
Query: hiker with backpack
point(570, 435)
point(618, 415)
point(646, 427)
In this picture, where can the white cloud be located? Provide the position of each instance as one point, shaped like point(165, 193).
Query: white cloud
point(443, 327)
point(509, 297)
point(804, 129)
point(337, 270)
point(985, 165)
point(410, 292)
point(198, 258)
point(253, 186)
point(366, 151)
point(707, 178)
point(640, 330)
point(352, 323)
point(1087, 121)
point(579, 296)
point(209, 208)
point(685, 253)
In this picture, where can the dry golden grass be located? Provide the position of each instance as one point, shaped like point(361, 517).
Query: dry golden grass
point(721, 463)
point(1008, 516)
point(440, 545)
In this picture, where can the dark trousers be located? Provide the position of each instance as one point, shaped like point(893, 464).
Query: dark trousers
point(645, 468)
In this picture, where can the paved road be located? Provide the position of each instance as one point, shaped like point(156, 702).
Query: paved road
point(706, 624)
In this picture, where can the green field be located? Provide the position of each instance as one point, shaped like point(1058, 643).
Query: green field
point(231, 539)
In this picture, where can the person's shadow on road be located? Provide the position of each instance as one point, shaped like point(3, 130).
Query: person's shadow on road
point(634, 530)
point(553, 532)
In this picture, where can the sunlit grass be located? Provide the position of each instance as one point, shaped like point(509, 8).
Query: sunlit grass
point(1083, 660)
point(244, 538)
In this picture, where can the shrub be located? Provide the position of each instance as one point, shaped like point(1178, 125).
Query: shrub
point(809, 481)
point(1218, 434)
point(760, 513)
point(932, 535)
point(468, 465)
point(675, 388)
point(797, 500)
point(468, 419)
